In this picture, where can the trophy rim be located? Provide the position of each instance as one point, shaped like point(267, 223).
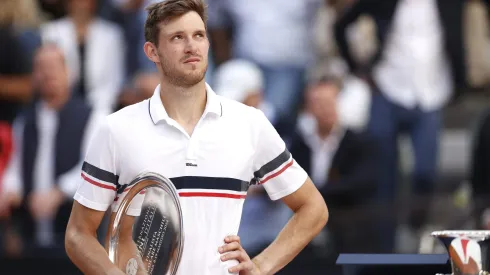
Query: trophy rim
point(476, 234)
point(156, 180)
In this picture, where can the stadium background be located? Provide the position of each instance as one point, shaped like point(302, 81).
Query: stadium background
point(269, 54)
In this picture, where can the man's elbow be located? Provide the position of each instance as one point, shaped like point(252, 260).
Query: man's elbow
point(74, 239)
point(71, 240)
point(323, 213)
point(318, 210)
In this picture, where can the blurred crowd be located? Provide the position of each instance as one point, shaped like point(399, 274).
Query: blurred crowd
point(383, 103)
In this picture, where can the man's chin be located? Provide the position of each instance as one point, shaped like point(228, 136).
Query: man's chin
point(192, 79)
point(195, 76)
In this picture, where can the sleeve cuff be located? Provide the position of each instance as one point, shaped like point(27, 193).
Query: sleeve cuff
point(91, 204)
point(289, 190)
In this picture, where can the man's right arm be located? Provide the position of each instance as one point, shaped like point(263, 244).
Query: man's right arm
point(94, 196)
point(82, 245)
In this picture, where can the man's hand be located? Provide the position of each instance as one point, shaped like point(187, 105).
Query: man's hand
point(45, 204)
point(7, 202)
point(232, 250)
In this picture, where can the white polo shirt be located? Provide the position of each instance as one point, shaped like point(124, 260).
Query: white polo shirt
point(232, 146)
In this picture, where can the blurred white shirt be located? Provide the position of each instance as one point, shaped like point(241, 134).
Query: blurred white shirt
point(104, 58)
point(323, 150)
point(414, 70)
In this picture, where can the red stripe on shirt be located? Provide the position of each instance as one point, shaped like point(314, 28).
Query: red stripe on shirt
point(278, 172)
point(214, 195)
point(98, 183)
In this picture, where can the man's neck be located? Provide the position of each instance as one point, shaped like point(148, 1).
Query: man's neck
point(184, 105)
point(81, 25)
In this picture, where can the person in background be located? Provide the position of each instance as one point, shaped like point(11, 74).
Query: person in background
point(418, 68)
point(42, 176)
point(330, 139)
point(342, 158)
point(15, 68)
point(94, 50)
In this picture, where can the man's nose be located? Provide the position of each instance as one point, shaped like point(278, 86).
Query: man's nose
point(191, 46)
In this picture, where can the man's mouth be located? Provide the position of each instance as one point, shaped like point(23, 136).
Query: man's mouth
point(192, 60)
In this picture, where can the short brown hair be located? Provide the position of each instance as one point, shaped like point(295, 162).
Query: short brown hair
point(165, 11)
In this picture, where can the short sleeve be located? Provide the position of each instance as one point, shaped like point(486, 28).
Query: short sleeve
point(274, 166)
point(99, 175)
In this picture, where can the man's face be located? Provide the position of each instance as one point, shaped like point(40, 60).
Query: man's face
point(183, 50)
point(50, 72)
point(322, 103)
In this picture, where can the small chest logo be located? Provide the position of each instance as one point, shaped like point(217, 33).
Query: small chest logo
point(188, 164)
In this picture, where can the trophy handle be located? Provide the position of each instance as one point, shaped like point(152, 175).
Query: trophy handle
point(140, 183)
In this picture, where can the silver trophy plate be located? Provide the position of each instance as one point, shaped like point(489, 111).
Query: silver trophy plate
point(146, 232)
point(468, 250)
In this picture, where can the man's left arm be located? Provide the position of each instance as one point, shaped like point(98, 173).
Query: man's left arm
point(310, 216)
point(283, 179)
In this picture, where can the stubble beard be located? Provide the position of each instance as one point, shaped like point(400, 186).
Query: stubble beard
point(180, 79)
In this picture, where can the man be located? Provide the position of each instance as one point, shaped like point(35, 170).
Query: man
point(202, 141)
point(419, 67)
point(342, 161)
point(51, 136)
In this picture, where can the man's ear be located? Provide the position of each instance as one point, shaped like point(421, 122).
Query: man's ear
point(151, 52)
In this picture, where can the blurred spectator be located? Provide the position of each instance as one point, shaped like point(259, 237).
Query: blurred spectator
point(243, 81)
point(342, 162)
point(418, 65)
point(276, 35)
point(94, 51)
point(43, 174)
point(15, 68)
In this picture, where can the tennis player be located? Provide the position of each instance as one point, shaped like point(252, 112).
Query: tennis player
point(209, 146)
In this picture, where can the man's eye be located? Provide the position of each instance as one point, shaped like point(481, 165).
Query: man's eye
point(177, 37)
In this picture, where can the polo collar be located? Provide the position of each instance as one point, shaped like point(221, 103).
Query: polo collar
point(158, 113)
